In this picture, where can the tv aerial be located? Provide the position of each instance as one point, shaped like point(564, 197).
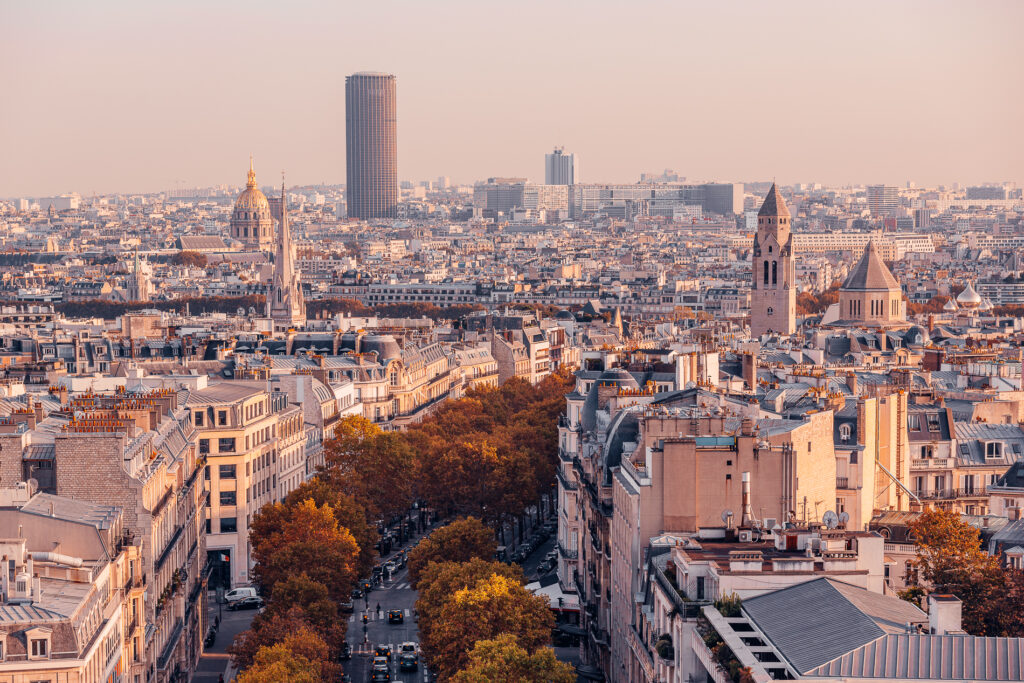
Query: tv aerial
point(830, 519)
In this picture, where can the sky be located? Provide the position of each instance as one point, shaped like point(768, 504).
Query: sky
point(104, 96)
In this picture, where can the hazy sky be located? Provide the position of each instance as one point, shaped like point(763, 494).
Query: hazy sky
point(143, 96)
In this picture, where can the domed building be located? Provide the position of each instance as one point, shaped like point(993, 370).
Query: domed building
point(251, 222)
point(872, 296)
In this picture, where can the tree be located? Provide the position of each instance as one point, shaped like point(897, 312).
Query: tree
point(373, 466)
point(313, 599)
point(950, 560)
point(502, 660)
point(189, 258)
point(493, 606)
point(347, 510)
point(305, 536)
point(280, 663)
point(440, 580)
point(266, 630)
point(462, 540)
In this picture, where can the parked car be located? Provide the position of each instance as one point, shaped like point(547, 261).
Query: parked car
point(346, 652)
point(236, 594)
point(348, 606)
point(396, 616)
point(246, 603)
point(357, 593)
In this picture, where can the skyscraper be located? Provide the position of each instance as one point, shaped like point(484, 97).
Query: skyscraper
point(883, 200)
point(561, 168)
point(371, 145)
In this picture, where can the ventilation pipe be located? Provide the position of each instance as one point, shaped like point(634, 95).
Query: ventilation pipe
point(57, 558)
point(747, 518)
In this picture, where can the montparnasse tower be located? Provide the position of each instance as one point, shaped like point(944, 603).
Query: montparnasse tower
point(251, 222)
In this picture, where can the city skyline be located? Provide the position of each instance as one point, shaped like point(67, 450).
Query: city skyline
point(202, 91)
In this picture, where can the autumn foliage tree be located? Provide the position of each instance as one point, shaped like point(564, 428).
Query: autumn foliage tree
point(347, 510)
point(462, 540)
point(306, 536)
point(950, 560)
point(440, 580)
point(269, 629)
point(503, 660)
point(298, 658)
point(483, 611)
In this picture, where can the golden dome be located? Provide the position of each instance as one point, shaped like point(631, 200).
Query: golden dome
point(252, 198)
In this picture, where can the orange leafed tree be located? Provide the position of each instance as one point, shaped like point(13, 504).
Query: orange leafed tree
point(460, 541)
point(503, 660)
point(305, 536)
point(493, 606)
point(347, 510)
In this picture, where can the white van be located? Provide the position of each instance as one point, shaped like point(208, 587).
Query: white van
point(236, 594)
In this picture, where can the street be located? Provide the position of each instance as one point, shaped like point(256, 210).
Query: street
point(390, 594)
point(214, 660)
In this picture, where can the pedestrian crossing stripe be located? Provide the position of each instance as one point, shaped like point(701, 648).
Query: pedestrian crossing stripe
point(370, 648)
point(375, 616)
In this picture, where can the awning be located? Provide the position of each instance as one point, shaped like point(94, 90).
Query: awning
point(571, 629)
point(557, 598)
point(589, 673)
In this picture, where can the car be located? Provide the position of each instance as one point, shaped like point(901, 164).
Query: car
point(246, 603)
point(348, 606)
point(383, 650)
point(408, 662)
point(380, 676)
point(357, 593)
point(396, 616)
point(346, 652)
point(406, 648)
point(380, 664)
point(236, 594)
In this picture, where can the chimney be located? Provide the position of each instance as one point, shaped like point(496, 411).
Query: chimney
point(851, 382)
point(944, 613)
point(748, 515)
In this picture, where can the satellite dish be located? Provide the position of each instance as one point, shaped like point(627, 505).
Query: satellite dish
point(726, 516)
point(240, 311)
point(831, 519)
point(252, 310)
point(844, 517)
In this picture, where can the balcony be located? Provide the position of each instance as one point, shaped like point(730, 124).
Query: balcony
point(569, 554)
point(931, 463)
point(951, 494)
point(565, 483)
point(842, 482)
point(165, 655)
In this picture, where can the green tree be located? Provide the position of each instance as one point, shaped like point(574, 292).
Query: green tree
point(462, 540)
point(502, 660)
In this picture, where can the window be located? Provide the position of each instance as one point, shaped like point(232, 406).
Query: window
point(208, 526)
point(206, 473)
point(914, 422)
point(227, 471)
point(993, 449)
point(228, 525)
point(40, 648)
point(204, 446)
point(199, 418)
point(227, 497)
point(226, 445)
point(844, 433)
point(775, 272)
point(222, 417)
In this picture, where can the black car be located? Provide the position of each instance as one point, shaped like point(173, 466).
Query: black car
point(380, 676)
point(383, 651)
point(357, 593)
point(346, 652)
point(396, 616)
point(246, 603)
point(408, 662)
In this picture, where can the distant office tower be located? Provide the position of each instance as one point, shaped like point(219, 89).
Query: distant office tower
point(883, 200)
point(986, 192)
point(371, 146)
point(561, 168)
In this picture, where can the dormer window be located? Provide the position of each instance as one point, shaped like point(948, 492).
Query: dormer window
point(38, 641)
point(844, 433)
point(994, 449)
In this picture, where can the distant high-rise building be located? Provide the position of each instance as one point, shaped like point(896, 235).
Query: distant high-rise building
point(371, 145)
point(561, 168)
point(986, 192)
point(883, 200)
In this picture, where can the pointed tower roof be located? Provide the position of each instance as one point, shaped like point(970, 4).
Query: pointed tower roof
point(969, 298)
point(774, 204)
point(251, 180)
point(871, 272)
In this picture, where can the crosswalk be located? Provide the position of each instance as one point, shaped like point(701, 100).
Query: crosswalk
point(371, 648)
point(375, 616)
point(404, 585)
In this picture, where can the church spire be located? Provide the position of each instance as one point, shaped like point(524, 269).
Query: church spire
point(251, 182)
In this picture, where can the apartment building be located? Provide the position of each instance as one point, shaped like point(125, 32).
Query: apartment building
point(72, 597)
point(247, 436)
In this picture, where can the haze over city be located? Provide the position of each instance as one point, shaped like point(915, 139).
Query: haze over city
point(138, 97)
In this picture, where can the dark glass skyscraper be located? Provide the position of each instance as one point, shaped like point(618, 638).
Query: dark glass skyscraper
point(371, 146)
